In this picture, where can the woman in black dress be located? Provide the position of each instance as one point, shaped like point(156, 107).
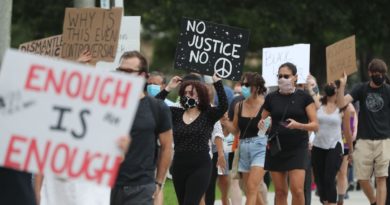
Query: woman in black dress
point(293, 114)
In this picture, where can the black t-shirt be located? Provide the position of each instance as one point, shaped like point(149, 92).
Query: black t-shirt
point(276, 104)
point(374, 114)
point(16, 187)
point(139, 165)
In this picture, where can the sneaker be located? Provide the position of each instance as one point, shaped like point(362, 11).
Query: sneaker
point(346, 196)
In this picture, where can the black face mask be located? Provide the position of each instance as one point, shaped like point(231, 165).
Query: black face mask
point(329, 90)
point(377, 79)
point(188, 102)
point(316, 90)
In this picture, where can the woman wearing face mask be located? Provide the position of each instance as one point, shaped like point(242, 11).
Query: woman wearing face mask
point(293, 114)
point(192, 128)
point(327, 152)
point(252, 146)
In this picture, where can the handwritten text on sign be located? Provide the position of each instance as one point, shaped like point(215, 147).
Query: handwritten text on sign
point(65, 119)
point(298, 54)
point(340, 57)
point(50, 46)
point(94, 29)
point(206, 48)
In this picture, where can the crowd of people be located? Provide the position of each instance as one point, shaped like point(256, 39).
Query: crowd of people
point(239, 138)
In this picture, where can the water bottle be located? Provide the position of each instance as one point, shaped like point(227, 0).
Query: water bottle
point(267, 122)
point(220, 172)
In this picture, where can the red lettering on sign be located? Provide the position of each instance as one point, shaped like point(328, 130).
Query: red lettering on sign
point(32, 74)
point(74, 84)
point(12, 151)
point(61, 159)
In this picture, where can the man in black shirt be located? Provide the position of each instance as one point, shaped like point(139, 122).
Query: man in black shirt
point(16, 187)
point(136, 182)
point(371, 154)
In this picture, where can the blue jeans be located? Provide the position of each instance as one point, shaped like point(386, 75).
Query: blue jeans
point(252, 153)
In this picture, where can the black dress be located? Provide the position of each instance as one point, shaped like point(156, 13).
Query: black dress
point(294, 142)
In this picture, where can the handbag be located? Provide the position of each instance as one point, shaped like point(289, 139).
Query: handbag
point(273, 142)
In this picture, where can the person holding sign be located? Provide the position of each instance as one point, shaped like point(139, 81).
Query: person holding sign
point(137, 182)
point(252, 145)
point(327, 151)
point(193, 124)
point(371, 153)
point(293, 114)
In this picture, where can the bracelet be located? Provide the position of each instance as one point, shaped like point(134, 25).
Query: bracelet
point(158, 183)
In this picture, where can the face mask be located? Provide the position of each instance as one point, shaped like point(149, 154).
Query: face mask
point(188, 102)
point(153, 89)
point(285, 86)
point(246, 91)
point(316, 90)
point(377, 79)
point(330, 90)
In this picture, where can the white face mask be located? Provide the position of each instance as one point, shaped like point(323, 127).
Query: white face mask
point(285, 86)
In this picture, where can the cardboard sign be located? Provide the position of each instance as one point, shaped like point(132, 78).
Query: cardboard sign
point(129, 40)
point(340, 57)
point(274, 57)
point(94, 29)
point(209, 48)
point(62, 118)
point(50, 46)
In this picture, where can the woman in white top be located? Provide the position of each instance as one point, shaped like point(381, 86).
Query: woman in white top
point(327, 149)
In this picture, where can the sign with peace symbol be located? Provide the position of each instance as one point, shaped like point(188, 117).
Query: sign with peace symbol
point(223, 68)
point(209, 48)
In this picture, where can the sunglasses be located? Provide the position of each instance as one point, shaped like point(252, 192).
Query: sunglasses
point(130, 70)
point(246, 84)
point(283, 76)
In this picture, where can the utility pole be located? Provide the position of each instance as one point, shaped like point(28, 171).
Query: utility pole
point(5, 25)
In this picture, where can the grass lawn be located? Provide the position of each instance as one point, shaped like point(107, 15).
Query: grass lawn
point(170, 196)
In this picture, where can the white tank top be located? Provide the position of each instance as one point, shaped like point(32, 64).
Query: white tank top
point(329, 132)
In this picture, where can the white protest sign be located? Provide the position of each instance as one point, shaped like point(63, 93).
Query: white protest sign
point(62, 118)
point(298, 54)
point(129, 40)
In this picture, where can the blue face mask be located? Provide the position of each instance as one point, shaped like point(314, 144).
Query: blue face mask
point(246, 91)
point(153, 89)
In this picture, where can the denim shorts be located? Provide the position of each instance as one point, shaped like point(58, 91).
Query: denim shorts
point(252, 153)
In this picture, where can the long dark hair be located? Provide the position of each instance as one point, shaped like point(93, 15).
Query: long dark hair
point(201, 89)
point(255, 80)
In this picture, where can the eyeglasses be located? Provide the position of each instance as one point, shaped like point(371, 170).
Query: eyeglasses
point(246, 84)
point(283, 76)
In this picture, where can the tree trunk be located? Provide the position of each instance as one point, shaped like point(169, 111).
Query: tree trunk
point(84, 3)
point(5, 25)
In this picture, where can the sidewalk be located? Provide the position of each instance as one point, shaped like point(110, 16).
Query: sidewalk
point(355, 198)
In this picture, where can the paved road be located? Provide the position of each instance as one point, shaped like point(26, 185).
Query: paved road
point(355, 198)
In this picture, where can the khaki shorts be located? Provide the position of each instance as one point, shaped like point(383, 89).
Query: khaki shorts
point(371, 157)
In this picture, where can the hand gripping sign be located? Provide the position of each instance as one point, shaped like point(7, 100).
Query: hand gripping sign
point(209, 48)
point(62, 118)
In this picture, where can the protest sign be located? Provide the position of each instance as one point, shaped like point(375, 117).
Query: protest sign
point(129, 40)
point(50, 46)
point(206, 47)
point(94, 29)
point(340, 57)
point(64, 119)
point(298, 54)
